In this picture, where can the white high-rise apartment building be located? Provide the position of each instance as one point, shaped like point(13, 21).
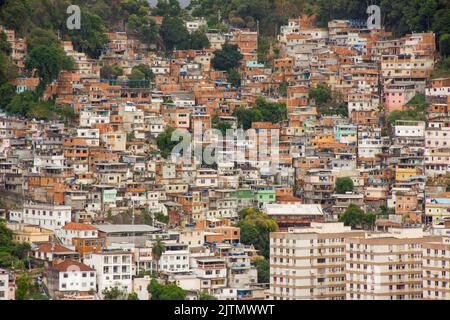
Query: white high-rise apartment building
point(386, 266)
point(309, 263)
point(436, 270)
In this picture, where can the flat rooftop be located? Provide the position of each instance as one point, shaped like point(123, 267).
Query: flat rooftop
point(119, 228)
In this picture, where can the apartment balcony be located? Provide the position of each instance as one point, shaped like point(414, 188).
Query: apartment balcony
point(319, 197)
point(212, 266)
point(330, 294)
point(330, 284)
point(239, 266)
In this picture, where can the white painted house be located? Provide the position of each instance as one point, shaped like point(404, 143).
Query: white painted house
point(47, 216)
point(114, 269)
point(70, 276)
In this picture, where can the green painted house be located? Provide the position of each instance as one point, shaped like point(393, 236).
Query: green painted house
point(265, 195)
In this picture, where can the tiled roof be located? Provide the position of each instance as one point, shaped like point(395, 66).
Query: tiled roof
point(70, 265)
point(78, 226)
point(49, 247)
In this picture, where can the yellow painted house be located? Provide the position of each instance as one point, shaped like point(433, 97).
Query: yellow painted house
point(29, 233)
point(404, 174)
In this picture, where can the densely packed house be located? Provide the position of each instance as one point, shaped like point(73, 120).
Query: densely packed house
point(94, 196)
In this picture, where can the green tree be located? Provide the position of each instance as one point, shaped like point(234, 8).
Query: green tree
point(165, 292)
point(159, 216)
point(263, 267)
point(276, 52)
point(385, 211)
point(146, 70)
point(234, 78)
point(27, 290)
point(355, 217)
point(110, 72)
point(144, 27)
point(228, 58)
point(271, 111)
point(223, 126)
point(7, 92)
point(146, 217)
point(352, 216)
point(444, 44)
point(426, 11)
point(442, 68)
point(27, 104)
point(246, 116)
point(165, 143)
point(205, 296)
point(321, 94)
point(5, 236)
point(154, 289)
point(441, 21)
point(17, 15)
point(118, 71)
point(24, 286)
point(21, 250)
point(114, 293)
point(136, 74)
point(172, 292)
point(5, 47)
point(158, 249)
point(48, 61)
point(199, 40)
point(283, 88)
point(7, 69)
point(255, 229)
point(41, 37)
point(167, 8)
point(328, 102)
point(263, 49)
point(66, 113)
point(263, 111)
point(174, 33)
point(344, 185)
point(419, 101)
point(416, 111)
point(394, 116)
point(133, 296)
point(130, 7)
point(21, 104)
point(91, 38)
point(106, 72)
point(8, 261)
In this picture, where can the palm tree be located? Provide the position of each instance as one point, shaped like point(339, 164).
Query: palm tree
point(157, 251)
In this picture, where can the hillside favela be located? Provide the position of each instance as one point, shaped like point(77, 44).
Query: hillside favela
point(224, 150)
